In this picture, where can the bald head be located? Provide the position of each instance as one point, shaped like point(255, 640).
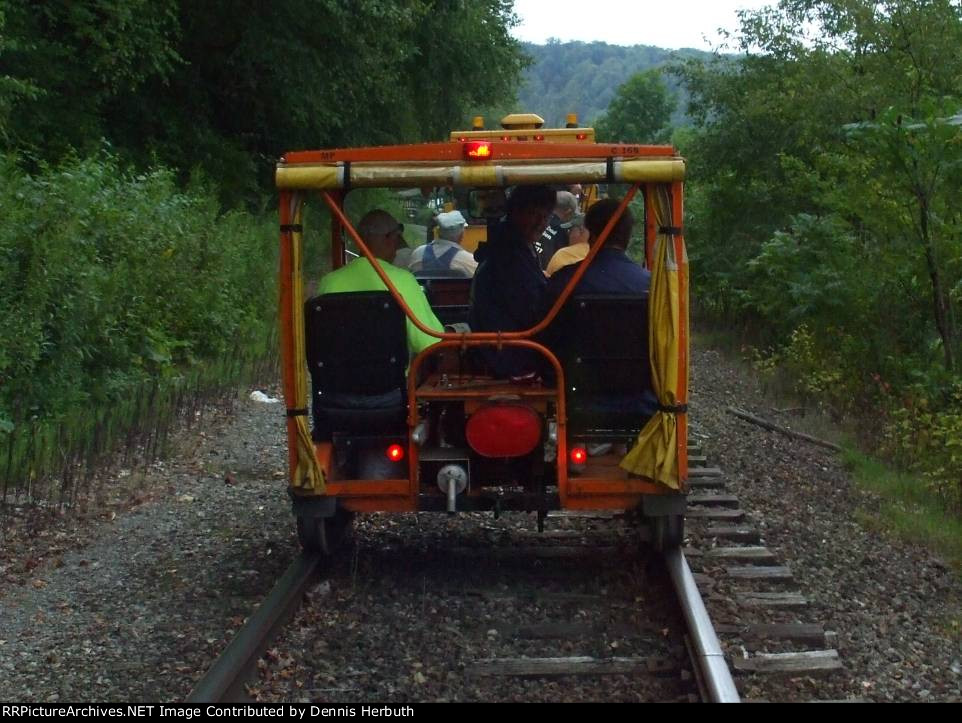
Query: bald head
point(382, 233)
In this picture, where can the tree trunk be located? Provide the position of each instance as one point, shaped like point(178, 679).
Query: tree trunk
point(940, 303)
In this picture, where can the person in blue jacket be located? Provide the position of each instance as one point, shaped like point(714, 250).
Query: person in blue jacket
point(611, 272)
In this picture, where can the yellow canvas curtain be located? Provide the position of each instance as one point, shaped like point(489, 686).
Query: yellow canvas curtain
point(308, 476)
point(655, 454)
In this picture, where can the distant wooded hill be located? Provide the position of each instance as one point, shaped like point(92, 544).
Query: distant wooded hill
point(582, 78)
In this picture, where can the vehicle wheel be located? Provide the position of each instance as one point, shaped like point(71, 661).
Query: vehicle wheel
point(667, 531)
point(323, 534)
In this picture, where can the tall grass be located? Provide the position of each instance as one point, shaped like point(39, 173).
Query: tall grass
point(127, 302)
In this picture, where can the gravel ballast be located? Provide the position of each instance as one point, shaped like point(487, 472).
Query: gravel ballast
point(134, 604)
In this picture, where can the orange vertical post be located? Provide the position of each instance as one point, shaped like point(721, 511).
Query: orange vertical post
point(337, 233)
point(284, 303)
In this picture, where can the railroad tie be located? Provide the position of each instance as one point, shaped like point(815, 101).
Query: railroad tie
point(714, 513)
point(720, 500)
point(701, 483)
point(742, 554)
point(771, 599)
point(810, 662)
point(807, 633)
point(735, 533)
point(705, 472)
point(575, 665)
point(759, 572)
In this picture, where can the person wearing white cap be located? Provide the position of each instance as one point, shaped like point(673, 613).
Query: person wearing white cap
point(445, 254)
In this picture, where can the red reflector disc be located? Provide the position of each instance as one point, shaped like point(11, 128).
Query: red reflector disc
point(503, 430)
point(395, 453)
point(578, 455)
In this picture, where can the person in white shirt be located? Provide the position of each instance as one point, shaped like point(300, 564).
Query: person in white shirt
point(445, 254)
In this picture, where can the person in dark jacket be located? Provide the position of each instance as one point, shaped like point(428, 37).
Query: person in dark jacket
point(611, 272)
point(509, 286)
point(555, 236)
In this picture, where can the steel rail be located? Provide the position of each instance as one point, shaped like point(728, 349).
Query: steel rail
point(708, 653)
point(224, 681)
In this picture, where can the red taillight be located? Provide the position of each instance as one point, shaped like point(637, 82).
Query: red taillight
point(462, 139)
point(477, 150)
point(578, 455)
point(581, 136)
point(539, 138)
point(503, 430)
point(506, 138)
point(395, 453)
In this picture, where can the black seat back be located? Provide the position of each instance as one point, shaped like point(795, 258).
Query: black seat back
point(448, 294)
point(356, 346)
point(603, 347)
point(428, 274)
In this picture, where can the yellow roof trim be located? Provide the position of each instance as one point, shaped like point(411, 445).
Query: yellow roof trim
point(505, 173)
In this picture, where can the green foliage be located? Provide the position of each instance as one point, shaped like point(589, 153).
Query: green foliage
point(12, 90)
point(583, 78)
point(823, 204)
point(126, 294)
point(925, 437)
point(640, 111)
point(465, 60)
point(79, 55)
point(114, 280)
point(228, 85)
point(907, 508)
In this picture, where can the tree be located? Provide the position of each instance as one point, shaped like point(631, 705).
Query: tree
point(919, 162)
point(11, 89)
point(640, 111)
point(773, 146)
point(226, 86)
point(77, 55)
point(465, 60)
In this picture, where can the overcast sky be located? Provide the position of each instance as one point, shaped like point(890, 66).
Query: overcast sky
point(671, 24)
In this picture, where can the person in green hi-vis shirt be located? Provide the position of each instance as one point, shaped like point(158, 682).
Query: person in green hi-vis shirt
point(383, 235)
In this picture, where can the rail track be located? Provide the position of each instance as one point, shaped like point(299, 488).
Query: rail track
point(225, 679)
point(764, 622)
point(497, 612)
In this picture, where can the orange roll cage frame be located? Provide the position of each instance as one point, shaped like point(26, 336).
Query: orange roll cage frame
point(401, 494)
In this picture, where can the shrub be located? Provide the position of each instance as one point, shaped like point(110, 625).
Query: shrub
point(114, 283)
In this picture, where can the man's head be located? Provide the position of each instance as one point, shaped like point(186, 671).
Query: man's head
point(598, 217)
point(529, 209)
point(566, 205)
point(382, 233)
point(451, 226)
point(577, 233)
